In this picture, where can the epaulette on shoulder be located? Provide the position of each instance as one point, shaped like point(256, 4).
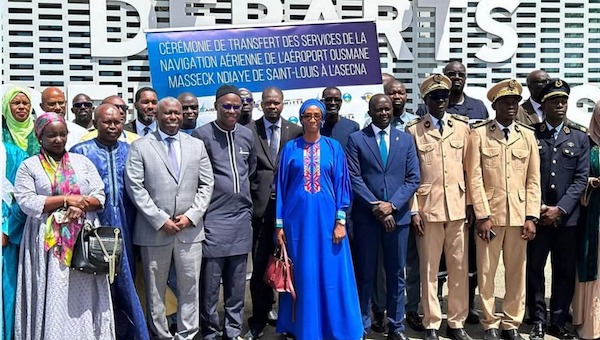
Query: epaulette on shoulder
point(414, 121)
point(525, 125)
point(482, 123)
point(461, 118)
point(576, 126)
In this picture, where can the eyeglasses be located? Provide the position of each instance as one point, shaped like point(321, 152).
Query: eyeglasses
point(455, 74)
point(332, 99)
point(309, 117)
point(82, 104)
point(228, 107)
point(438, 95)
point(247, 100)
point(190, 107)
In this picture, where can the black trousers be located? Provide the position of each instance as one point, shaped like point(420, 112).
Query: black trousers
point(561, 243)
point(263, 245)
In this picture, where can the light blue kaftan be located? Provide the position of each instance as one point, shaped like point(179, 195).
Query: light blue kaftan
point(13, 221)
point(313, 185)
point(119, 212)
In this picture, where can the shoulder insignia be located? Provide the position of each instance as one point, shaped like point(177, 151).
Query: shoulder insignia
point(482, 123)
point(576, 126)
point(525, 125)
point(541, 127)
point(414, 121)
point(461, 118)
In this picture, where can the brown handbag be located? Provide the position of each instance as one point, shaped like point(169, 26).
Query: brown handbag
point(279, 273)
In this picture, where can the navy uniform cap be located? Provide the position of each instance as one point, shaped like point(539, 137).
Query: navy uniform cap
point(556, 87)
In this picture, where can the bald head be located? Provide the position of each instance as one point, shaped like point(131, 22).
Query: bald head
point(453, 64)
point(247, 106)
point(396, 91)
point(189, 105)
point(82, 108)
point(105, 109)
point(119, 103)
point(380, 97)
point(456, 71)
point(81, 97)
point(386, 78)
point(536, 81)
point(108, 123)
point(380, 110)
point(53, 100)
point(114, 99)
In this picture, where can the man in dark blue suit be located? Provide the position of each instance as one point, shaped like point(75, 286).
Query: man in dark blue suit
point(564, 154)
point(384, 170)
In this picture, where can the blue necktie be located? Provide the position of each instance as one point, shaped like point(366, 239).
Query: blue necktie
point(173, 156)
point(383, 148)
point(146, 130)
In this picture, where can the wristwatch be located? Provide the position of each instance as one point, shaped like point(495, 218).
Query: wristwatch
point(532, 219)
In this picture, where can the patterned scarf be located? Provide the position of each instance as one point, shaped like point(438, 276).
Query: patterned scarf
point(59, 234)
point(18, 130)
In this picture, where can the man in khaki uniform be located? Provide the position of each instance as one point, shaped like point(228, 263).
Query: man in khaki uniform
point(439, 210)
point(503, 171)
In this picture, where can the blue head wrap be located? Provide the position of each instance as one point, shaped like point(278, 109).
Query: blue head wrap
point(313, 102)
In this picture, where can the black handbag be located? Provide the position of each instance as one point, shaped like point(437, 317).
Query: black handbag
point(98, 250)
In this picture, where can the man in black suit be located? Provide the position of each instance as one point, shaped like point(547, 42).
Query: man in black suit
point(564, 154)
point(271, 132)
point(146, 101)
point(530, 112)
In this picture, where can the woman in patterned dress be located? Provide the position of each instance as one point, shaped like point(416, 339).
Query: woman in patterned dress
point(313, 194)
point(53, 301)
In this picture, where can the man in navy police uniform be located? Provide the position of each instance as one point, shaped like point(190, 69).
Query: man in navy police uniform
point(564, 159)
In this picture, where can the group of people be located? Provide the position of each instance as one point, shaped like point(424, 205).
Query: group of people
point(370, 218)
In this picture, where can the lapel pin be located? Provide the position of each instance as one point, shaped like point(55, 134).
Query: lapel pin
point(566, 130)
point(570, 144)
point(543, 128)
point(427, 124)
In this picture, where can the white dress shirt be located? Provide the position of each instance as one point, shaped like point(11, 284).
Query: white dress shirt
point(386, 137)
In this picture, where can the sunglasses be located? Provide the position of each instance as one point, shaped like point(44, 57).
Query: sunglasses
point(438, 95)
point(247, 100)
point(82, 104)
point(123, 107)
point(455, 74)
point(190, 107)
point(228, 107)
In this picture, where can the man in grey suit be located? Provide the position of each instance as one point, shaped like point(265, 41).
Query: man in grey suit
point(169, 177)
point(228, 220)
point(271, 132)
